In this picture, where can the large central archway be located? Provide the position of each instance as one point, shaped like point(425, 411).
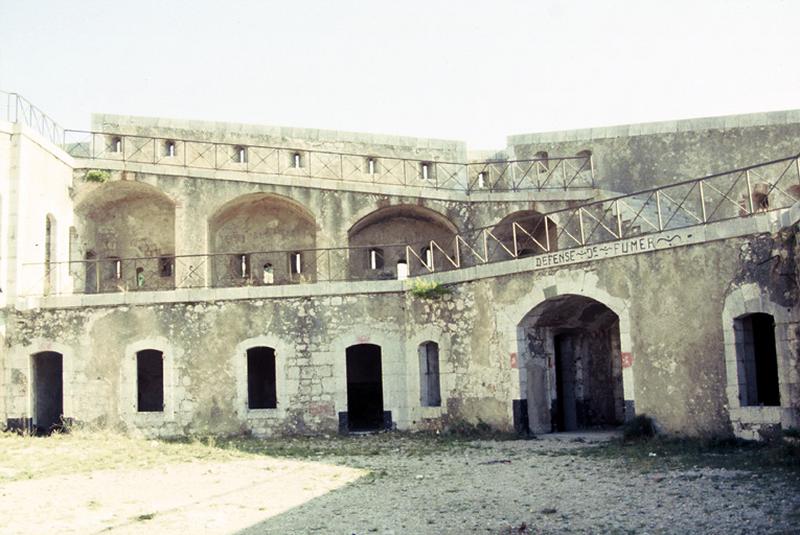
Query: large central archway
point(572, 365)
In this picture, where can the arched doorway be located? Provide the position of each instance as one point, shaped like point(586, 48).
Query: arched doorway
point(47, 368)
point(364, 388)
point(571, 365)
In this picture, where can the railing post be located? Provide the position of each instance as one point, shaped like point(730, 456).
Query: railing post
point(564, 173)
point(619, 220)
point(702, 201)
point(514, 235)
point(591, 167)
point(658, 210)
point(580, 222)
point(546, 234)
point(485, 246)
point(749, 191)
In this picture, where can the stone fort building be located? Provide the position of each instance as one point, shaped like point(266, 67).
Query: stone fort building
point(173, 277)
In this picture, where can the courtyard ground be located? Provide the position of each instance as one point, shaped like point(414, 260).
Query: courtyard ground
point(394, 483)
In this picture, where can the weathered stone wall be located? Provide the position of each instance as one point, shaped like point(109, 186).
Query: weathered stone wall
point(669, 308)
point(636, 157)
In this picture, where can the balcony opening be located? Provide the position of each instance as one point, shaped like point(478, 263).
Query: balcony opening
point(430, 390)
point(150, 381)
point(261, 387)
point(268, 274)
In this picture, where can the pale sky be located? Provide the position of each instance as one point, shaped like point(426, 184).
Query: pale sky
point(473, 71)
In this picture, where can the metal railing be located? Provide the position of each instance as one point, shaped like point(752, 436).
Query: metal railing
point(721, 197)
point(555, 173)
point(15, 108)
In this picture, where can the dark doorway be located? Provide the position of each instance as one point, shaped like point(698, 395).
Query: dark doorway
point(48, 391)
point(759, 361)
point(150, 380)
point(565, 417)
point(364, 388)
point(261, 391)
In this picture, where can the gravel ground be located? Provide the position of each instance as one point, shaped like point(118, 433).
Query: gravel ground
point(495, 487)
point(394, 484)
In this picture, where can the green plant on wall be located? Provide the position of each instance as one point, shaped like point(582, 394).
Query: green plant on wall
point(97, 175)
point(428, 289)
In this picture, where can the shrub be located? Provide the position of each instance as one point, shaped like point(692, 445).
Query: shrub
point(97, 175)
point(428, 289)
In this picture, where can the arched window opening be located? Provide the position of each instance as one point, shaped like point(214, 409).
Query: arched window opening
point(240, 154)
point(429, 382)
point(149, 381)
point(267, 274)
point(297, 160)
point(758, 361)
point(372, 166)
point(426, 170)
point(376, 258)
point(261, 386)
point(116, 144)
point(169, 148)
point(140, 277)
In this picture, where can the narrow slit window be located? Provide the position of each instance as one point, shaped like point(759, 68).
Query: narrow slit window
point(150, 381)
point(430, 389)
point(372, 166)
point(376, 259)
point(296, 263)
point(425, 170)
point(261, 387)
point(244, 266)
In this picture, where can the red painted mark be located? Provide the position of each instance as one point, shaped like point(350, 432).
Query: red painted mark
point(627, 360)
point(514, 360)
point(362, 339)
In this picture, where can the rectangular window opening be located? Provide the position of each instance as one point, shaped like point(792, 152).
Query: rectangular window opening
point(261, 388)
point(165, 266)
point(430, 390)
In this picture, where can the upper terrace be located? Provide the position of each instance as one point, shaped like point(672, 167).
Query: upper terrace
point(301, 154)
